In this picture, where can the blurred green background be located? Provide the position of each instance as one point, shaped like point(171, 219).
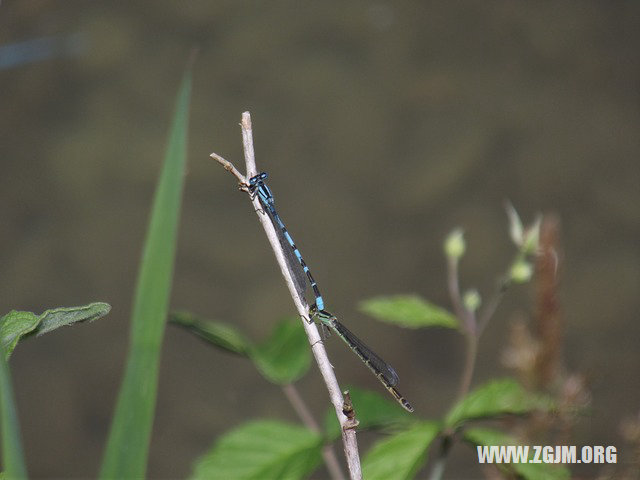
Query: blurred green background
point(383, 125)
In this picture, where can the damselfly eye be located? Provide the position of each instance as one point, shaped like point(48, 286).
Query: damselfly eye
point(261, 177)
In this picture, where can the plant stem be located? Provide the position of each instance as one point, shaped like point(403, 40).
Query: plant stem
point(471, 353)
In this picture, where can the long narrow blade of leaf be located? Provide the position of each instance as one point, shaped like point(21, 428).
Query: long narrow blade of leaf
point(128, 445)
point(12, 457)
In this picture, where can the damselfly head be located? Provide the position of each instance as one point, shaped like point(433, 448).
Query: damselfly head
point(261, 177)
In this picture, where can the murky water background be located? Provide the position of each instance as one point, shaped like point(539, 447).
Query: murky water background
point(382, 126)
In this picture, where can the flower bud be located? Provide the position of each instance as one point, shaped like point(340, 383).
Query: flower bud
point(521, 271)
point(454, 245)
point(471, 300)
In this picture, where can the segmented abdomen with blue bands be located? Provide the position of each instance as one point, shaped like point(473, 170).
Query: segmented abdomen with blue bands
point(297, 267)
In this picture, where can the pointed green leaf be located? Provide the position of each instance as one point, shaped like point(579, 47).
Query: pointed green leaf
point(59, 317)
point(401, 455)
point(484, 437)
point(373, 410)
point(408, 311)
point(128, 443)
point(499, 397)
point(12, 456)
point(260, 450)
point(285, 356)
point(222, 335)
point(16, 325)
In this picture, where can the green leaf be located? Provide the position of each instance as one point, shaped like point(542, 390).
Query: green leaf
point(16, 325)
point(12, 456)
point(285, 357)
point(408, 311)
point(401, 455)
point(260, 450)
point(128, 444)
point(372, 411)
point(499, 397)
point(222, 335)
point(59, 317)
point(531, 471)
